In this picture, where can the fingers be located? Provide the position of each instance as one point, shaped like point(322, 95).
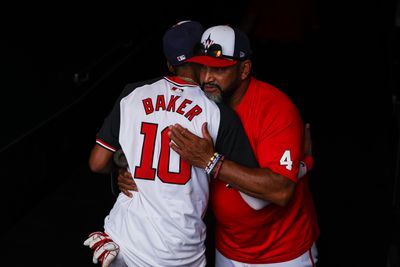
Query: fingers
point(95, 239)
point(174, 147)
point(126, 182)
point(124, 191)
point(178, 127)
point(110, 246)
point(307, 140)
point(87, 242)
point(90, 240)
point(124, 172)
point(109, 257)
point(181, 135)
point(181, 132)
point(178, 134)
point(103, 251)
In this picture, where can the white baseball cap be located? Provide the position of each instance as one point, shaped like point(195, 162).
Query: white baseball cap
point(222, 46)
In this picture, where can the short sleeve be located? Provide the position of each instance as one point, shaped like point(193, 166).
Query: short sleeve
point(108, 135)
point(279, 148)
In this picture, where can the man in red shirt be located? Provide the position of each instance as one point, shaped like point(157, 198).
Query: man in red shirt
point(284, 232)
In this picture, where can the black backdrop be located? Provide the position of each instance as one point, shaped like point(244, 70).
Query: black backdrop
point(63, 67)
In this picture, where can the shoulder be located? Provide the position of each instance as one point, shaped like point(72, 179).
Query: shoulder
point(270, 98)
point(130, 87)
point(271, 111)
point(267, 91)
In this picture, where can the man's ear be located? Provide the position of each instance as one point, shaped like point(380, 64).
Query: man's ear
point(170, 68)
point(245, 68)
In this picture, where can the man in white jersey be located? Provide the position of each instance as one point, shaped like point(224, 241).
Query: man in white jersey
point(162, 225)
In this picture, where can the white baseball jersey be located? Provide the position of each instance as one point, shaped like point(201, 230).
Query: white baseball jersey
point(162, 224)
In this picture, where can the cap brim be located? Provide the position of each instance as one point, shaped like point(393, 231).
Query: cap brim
point(212, 61)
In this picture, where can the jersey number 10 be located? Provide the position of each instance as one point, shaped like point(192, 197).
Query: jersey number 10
point(145, 169)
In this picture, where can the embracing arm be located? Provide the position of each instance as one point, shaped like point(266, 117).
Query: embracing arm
point(258, 182)
point(230, 172)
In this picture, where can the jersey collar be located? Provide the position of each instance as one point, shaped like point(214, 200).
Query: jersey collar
point(180, 81)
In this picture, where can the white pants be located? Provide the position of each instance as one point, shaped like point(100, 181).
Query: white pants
point(120, 262)
point(308, 259)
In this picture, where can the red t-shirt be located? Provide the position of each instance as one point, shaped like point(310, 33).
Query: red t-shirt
point(272, 234)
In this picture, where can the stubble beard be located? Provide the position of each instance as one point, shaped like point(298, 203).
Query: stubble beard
point(217, 98)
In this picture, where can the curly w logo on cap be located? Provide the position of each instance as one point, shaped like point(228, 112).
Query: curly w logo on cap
point(222, 46)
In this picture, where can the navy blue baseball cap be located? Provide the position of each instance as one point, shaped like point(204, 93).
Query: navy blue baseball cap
point(180, 40)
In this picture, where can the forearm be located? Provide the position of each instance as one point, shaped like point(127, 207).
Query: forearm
point(257, 182)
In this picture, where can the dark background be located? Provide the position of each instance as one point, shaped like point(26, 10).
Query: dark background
point(62, 67)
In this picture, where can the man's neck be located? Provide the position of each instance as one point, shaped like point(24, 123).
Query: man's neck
point(187, 79)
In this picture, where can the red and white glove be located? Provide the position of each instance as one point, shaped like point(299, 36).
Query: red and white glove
point(105, 249)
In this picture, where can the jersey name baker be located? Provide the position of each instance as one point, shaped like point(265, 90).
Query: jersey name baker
point(173, 104)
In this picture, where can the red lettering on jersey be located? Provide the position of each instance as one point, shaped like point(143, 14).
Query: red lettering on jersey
point(160, 103)
point(171, 103)
point(145, 169)
point(170, 106)
point(165, 175)
point(148, 105)
point(183, 105)
point(196, 110)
